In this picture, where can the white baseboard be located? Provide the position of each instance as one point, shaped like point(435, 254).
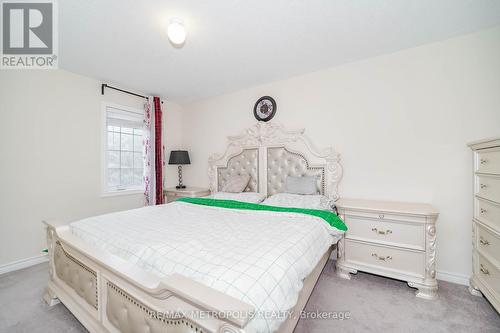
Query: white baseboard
point(23, 263)
point(453, 277)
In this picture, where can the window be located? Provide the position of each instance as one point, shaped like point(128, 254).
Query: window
point(123, 161)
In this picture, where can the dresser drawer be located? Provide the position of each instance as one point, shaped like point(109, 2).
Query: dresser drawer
point(488, 161)
point(386, 232)
point(488, 274)
point(488, 187)
point(488, 213)
point(388, 258)
point(488, 243)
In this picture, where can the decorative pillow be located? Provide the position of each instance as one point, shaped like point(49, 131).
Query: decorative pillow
point(236, 184)
point(317, 201)
point(251, 197)
point(301, 185)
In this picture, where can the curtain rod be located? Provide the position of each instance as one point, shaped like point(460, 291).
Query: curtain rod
point(104, 85)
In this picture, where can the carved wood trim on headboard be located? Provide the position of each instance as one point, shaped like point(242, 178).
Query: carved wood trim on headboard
point(271, 135)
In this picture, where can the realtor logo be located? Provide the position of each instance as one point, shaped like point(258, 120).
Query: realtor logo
point(29, 33)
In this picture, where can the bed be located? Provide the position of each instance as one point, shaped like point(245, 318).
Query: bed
point(132, 272)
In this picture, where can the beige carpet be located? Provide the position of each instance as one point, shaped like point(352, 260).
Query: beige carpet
point(375, 304)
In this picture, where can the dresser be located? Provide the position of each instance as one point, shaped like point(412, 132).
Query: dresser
point(172, 194)
point(486, 221)
point(392, 239)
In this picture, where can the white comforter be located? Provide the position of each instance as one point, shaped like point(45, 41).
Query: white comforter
point(259, 257)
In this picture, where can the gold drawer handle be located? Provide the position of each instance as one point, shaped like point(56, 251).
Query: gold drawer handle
point(382, 232)
point(483, 210)
point(483, 161)
point(484, 270)
point(483, 241)
point(381, 258)
point(483, 185)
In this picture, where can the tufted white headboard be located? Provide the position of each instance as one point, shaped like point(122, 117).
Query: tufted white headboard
point(269, 154)
point(245, 163)
point(282, 163)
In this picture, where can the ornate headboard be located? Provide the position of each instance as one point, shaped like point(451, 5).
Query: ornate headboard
point(246, 162)
point(269, 154)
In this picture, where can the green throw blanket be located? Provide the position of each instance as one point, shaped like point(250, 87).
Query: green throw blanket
point(331, 218)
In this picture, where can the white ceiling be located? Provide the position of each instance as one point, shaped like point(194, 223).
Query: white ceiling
point(233, 44)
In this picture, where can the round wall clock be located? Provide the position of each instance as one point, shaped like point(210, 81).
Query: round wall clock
point(264, 108)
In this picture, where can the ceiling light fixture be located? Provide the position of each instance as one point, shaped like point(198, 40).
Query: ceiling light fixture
point(176, 32)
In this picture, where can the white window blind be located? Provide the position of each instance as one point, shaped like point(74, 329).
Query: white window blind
point(123, 150)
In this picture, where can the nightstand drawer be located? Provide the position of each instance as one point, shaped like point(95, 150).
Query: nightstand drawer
point(388, 258)
point(173, 194)
point(171, 197)
point(384, 216)
point(488, 243)
point(389, 233)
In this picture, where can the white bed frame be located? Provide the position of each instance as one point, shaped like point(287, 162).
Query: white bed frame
point(107, 294)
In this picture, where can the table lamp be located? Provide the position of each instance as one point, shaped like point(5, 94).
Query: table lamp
point(179, 157)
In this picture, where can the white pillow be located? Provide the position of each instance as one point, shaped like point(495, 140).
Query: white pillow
point(317, 201)
point(251, 197)
point(236, 184)
point(301, 185)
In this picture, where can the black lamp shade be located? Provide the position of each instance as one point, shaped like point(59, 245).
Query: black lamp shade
point(179, 157)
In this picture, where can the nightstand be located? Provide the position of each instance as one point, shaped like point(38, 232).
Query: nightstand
point(172, 194)
point(392, 239)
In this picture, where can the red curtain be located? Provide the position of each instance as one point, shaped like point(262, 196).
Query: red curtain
point(158, 151)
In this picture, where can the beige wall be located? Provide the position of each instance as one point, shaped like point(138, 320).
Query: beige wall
point(50, 151)
point(400, 121)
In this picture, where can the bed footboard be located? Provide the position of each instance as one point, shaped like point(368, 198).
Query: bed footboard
point(129, 315)
point(76, 275)
point(109, 295)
